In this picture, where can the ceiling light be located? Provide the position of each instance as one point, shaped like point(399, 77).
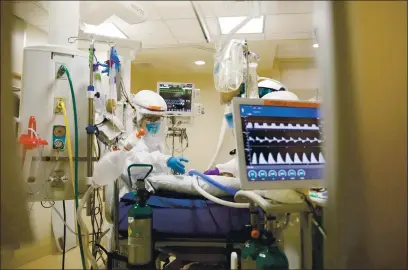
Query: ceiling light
point(254, 26)
point(315, 45)
point(104, 29)
point(199, 63)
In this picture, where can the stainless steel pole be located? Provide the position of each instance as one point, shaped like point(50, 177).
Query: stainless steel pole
point(89, 149)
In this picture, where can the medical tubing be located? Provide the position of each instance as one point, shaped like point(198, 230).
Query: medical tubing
point(74, 109)
point(215, 199)
point(38, 147)
point(61, 105)
point(230, 191)
point(220, 142)
point(82, 224)
point(66, 224)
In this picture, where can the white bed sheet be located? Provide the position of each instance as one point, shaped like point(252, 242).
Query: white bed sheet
point(184, 184)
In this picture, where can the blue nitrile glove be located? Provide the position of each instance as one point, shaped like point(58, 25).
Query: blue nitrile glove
point(175, 164)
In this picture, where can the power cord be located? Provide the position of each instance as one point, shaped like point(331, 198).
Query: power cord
point(62, 218)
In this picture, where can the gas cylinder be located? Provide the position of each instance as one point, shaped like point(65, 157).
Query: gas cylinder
point(140, 232)
point(250, 251)
point(272, 257)
point(140, 215)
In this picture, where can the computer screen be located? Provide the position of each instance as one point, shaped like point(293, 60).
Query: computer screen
point(178, 96)
point(280, 143)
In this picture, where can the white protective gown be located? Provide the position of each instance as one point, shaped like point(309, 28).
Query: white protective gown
point(148, 150)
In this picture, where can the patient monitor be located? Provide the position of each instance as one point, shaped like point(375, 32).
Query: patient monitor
point(279, 143)
point(179, 99)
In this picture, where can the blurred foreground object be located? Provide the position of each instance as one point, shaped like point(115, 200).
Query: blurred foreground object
point(15, 223)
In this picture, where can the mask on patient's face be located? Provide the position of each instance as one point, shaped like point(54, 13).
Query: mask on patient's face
point(153, 127)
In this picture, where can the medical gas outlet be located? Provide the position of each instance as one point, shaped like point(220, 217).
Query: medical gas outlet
point(58, 137)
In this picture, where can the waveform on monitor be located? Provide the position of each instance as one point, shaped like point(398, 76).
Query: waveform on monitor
point(282, 139)
point(255, 125)
point(287, 160)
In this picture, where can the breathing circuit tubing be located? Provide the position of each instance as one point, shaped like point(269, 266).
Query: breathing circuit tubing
point(64, 69)
point(210, 197)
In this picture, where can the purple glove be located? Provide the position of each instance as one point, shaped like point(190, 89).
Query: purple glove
point(214, 171)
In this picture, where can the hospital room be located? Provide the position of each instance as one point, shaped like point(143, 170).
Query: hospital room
point(204, 135)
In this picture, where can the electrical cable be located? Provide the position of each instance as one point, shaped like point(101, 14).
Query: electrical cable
point(62, 218)
point(65, 236)
point(76, 186)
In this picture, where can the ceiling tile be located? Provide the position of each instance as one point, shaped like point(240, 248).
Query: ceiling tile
point(206, 8)
point(213, 27)
point(186, 30)
point(295, 6)
point(270, 7)
point(288, 23)
point(288, 36)
point(149, 32)
point(175, 9)
point(150, 9)
point(249, 36)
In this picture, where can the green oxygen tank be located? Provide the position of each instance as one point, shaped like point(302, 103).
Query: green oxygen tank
point(140, 233)
point(250, 251)
point(140, 242)
point(271, 257)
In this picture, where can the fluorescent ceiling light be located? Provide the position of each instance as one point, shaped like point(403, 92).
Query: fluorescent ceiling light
point(254, 26)
point(104, 29)
point(315, 45)
point(199, 63)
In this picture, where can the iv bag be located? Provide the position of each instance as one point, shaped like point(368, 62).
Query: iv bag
point(229, 64)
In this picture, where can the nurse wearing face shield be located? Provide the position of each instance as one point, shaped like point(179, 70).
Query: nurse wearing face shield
point(267, 89)
point(146, 143)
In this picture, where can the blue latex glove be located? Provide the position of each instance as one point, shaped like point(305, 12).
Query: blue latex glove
point(176, 164)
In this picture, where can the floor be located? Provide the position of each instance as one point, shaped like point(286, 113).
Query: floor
point(72, 261)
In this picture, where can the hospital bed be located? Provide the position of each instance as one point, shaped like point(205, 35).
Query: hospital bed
point(187, 226)
point(192, 229)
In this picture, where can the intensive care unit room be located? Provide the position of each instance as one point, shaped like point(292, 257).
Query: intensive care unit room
point(173, 135)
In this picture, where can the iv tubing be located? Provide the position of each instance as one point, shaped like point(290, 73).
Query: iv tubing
point(82, 224)
point(220, 142)
point(76, 160)
point(61, 105)
point(230, 191)
point(215, 199)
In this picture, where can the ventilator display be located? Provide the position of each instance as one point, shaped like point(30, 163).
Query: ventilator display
point(282, 143)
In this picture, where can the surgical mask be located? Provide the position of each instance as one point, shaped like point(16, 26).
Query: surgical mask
point(153, 127)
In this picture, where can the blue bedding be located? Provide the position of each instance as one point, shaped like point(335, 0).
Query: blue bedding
point(175, 217)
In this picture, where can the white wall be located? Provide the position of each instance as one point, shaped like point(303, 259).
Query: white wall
point(300, 77)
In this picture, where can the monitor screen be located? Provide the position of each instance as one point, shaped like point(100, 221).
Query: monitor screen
point(178, 96)
point(282, 141)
